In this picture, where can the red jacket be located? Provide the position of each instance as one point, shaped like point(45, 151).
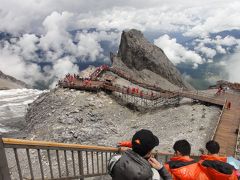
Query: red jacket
point(185, 168)
point(217, 168)
point(125, 144)
point(211, 157)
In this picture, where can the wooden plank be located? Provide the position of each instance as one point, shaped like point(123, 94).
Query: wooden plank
point(225, 134)
point(10, 141)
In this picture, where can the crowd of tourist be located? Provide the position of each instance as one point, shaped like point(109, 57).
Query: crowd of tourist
point(136, 162)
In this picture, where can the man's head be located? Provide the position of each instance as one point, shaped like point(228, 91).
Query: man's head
point(143, 142)
point(182, 148)
point(212, 147)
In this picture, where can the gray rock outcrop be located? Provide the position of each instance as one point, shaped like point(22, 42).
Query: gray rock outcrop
point(138, 54)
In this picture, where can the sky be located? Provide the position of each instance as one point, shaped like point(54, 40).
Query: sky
point(50, 38)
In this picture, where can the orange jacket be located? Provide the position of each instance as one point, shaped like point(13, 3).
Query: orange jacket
point(214, 158)
point(125, 144)
point(185, 168)
point(217, 168)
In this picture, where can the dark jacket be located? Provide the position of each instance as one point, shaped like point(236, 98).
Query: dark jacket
point(131, 166)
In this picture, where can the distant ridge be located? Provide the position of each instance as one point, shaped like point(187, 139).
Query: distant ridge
point(9, 82)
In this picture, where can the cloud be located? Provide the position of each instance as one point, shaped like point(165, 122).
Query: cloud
point(218, 40)
point(176, 52)
point(232, 66)
point(208, 52)
point(192, 17)
point(57, 47)
point(218, 19)
point(217, 44)
point(57, 37)
point(56, 31)
point(28, 46)
point(15, 66)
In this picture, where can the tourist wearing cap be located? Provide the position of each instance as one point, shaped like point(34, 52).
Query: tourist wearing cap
point(138, 163)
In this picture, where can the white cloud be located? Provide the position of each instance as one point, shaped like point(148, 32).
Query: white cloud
point(176, 52)
point(15, 66)
point(194, 17)
point(233, 66)
point(208, 52)
point(218, 45)
point(218, 19)
point(220, 49)
point(226, 41)
point(57, 38)
point(44, 25)
point(27, 43)
point(64, 66)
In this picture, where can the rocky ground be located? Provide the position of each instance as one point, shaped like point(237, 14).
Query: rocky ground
point(64, 115)
point(70, 116)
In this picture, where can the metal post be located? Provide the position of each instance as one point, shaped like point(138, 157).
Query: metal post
point(80, 164)
point(4, 170)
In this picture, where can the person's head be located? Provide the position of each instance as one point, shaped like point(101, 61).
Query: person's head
point(212, 147)
point(143, 143)
point(182, 148)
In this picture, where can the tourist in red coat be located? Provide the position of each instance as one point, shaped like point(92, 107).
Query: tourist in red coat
point(214, 166)
point(181, 166)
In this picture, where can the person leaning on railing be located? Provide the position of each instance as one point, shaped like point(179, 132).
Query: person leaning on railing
point(137, 164)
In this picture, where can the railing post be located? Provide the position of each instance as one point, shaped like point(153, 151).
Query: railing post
point(80, 162)
point(4, 170)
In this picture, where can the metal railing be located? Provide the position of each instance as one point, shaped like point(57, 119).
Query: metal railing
point(219, 120)
point(24, 159)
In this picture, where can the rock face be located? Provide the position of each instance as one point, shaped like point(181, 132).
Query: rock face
point(9, 82)
point(137, 53)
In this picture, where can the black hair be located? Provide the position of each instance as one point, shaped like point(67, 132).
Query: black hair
point(183, 147)
point(213, 147)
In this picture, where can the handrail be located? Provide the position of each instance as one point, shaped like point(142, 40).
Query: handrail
point(91, 160)
point(9, 141)
point(237, 151)
point(70, 161)
point(219, 120)
point(163, 93)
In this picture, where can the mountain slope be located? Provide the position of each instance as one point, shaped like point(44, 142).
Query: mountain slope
point(9, 82)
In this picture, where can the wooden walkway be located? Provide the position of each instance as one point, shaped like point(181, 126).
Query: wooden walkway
point(225, 133)
point(228, 123)
point(204, 97)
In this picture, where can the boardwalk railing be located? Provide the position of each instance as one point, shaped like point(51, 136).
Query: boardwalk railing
point(237, 148)
point(219, 120)
point(25, 159)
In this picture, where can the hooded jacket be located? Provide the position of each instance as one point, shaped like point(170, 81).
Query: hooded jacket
point(217, 168)
point(185, 168)
point(130, 166)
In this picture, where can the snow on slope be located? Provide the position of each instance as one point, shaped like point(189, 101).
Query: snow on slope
point(13, 106)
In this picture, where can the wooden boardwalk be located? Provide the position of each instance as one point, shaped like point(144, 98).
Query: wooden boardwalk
point(225, 133)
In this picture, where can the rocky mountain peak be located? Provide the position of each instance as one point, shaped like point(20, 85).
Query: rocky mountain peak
point(137, 53)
